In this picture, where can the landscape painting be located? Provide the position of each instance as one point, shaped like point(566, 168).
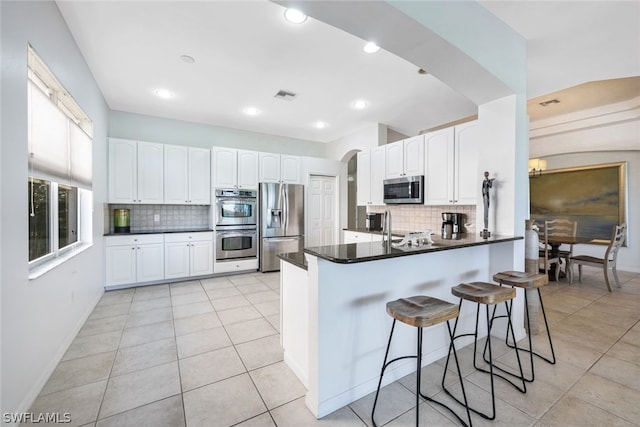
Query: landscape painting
point(594, 196)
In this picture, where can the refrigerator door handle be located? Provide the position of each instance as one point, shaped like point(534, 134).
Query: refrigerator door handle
point(286, 207)
point(281, 239)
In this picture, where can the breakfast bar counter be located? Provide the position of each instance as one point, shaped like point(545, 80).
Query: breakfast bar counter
point(334, 325)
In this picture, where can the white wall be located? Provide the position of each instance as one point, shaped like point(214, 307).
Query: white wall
point(607, 134)
point(40, 317)
point(369, 136)
point(629, 256)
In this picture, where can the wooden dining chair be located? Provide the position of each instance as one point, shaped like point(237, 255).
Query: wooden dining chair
point(608, 261)
point(563, 227)
point(545, 260)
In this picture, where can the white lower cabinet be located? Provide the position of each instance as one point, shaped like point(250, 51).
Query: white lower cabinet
point(134, 259)
point(188, 254)
point(358, 237)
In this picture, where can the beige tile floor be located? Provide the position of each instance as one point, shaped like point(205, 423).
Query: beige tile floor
point(207, 353)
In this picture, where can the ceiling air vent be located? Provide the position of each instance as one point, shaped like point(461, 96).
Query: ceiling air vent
point(549, 102)
point(287, 96)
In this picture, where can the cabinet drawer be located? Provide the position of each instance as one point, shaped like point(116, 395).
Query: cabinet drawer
point(134, 239)
point(189, 237)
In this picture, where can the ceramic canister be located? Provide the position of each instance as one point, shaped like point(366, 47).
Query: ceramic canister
point(121, 221)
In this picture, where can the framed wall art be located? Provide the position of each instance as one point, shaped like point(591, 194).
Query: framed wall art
point(594, 196)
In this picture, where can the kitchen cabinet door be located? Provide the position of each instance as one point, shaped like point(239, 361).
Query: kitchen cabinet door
point(413, 156)
point(394, 160)
point(135, 172)
point(451, 166)
point(363, 176)
point(123, 171)
point(176, 259)
point(150, 173)
point(188, 254)
point(290, 169)
point(468, 178)
point(150, 262)
point(269, 167)
point(225, 167)
point(201, 257)
point(378, 161)
point(120, 264)
point(439, 165)
point(176, 174)
point(248, 169)
point(199, 176)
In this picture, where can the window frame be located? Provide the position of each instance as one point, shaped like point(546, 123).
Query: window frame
point(42, 79)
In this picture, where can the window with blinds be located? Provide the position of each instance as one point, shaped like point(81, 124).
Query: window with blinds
point(60, 166)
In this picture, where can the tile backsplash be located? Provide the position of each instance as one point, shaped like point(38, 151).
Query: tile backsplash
point(421, 217)
point(171, 217)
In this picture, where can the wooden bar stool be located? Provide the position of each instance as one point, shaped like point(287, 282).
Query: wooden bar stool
point(486, 294)
point(421, 312)
point(527, 281)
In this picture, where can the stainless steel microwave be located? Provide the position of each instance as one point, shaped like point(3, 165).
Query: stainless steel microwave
point(404, 190)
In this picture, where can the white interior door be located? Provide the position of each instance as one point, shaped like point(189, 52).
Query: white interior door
point(322, 214)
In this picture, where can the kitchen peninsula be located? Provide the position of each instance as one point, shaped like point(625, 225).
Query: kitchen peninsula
point(334, 325)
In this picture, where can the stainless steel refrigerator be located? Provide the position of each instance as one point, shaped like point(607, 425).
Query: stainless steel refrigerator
point(281, 222)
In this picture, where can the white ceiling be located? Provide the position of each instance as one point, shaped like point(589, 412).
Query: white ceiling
point(245, 52)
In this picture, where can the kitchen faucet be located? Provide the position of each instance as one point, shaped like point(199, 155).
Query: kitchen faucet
point(386, 229)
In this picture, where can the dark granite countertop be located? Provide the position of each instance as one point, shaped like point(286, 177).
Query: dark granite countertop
point(158, 232)
point(398, 233)
point(371, 251)
point(296, 258)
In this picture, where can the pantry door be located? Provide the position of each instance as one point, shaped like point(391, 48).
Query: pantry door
point(323, 211)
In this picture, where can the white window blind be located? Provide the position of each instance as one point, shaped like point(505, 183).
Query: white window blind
point(58, 149)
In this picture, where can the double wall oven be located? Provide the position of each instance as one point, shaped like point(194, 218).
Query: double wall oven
point(236, 224)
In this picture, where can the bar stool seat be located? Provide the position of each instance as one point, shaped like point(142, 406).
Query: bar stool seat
point(420, 312)
point(532, 281)
point(483, 293)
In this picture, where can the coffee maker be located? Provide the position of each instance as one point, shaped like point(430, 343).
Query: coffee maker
point(373, 221)
point(451, 225)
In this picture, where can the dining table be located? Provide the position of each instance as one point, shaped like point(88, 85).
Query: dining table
point(555, 241)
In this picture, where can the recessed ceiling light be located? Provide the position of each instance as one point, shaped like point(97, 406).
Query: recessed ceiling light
point(251, 111)
point(187, 59)
point(294, 16)
point(163, 93)
point(371, 47)
point(360, 104)
point(320, 124)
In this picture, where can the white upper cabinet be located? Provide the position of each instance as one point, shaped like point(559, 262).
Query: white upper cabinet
point(405, 158)
point(176, 174)
point(135, 172)
point(451, 166)
point(363, 177)
point(370, 176)
point(468, 177)
point(395, 159)
point(280, 168)
point(234, 168)
point(414, 156)
point(225, 167)
point(378, 162)
point(199, 176)
point(248, 167)
point(269, 167)
point(187, 175)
